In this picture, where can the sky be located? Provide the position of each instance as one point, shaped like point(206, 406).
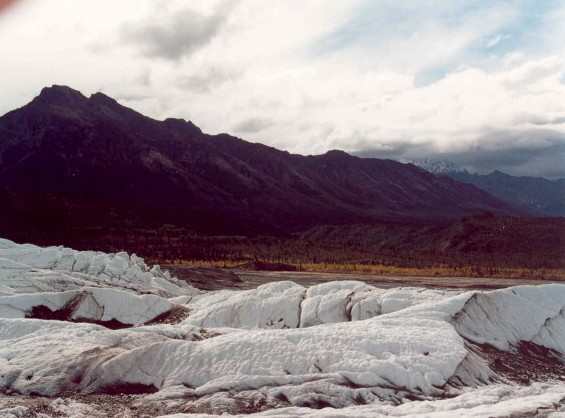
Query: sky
point(476, 82)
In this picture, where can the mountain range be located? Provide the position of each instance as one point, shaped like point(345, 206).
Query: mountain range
point(535, 195)
point(72, 161)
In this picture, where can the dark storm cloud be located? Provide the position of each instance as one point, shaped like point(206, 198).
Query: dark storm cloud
point(536, 120)
point(252, 125)
point(178, 35)
point(528, 153)
point(524, 153)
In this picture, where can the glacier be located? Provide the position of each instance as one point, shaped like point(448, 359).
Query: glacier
point(85, 333)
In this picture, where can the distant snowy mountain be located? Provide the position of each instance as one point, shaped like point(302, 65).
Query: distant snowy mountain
point(438, 166)
point(536, 195)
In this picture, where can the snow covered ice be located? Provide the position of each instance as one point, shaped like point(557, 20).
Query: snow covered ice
point(95, 334)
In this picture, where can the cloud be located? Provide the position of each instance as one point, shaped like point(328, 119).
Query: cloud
point(252, 125)
point(208, 80)
point(531, 72)
point(476, 81)
point(543, 161)
point(495, 40)
point(533, 152)
point(131, 97)
point(397, 150)
point(177, 34)
point(542, 120)
point(419, 36)
point(144, 78)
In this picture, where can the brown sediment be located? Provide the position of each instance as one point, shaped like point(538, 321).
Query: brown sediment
point(525, 363)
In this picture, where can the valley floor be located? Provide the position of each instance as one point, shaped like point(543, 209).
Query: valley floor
point(249, 279)
point(254, 279)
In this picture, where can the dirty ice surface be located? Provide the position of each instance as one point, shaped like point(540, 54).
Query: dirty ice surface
point(84, 333)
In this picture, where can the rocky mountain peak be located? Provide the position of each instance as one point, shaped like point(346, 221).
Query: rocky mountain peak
point(60, 95)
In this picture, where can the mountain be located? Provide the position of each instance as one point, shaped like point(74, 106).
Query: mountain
point(536, 195)
point(68, 161)
point(437, 166)
point(482, 240)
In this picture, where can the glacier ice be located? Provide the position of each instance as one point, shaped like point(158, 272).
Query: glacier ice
point(281, 349)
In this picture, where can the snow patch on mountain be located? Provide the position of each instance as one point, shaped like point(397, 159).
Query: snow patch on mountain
point(437, 166)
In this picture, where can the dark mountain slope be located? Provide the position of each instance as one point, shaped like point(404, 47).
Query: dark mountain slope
point(68, 161)
point(534, 194)
point(475, 240)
